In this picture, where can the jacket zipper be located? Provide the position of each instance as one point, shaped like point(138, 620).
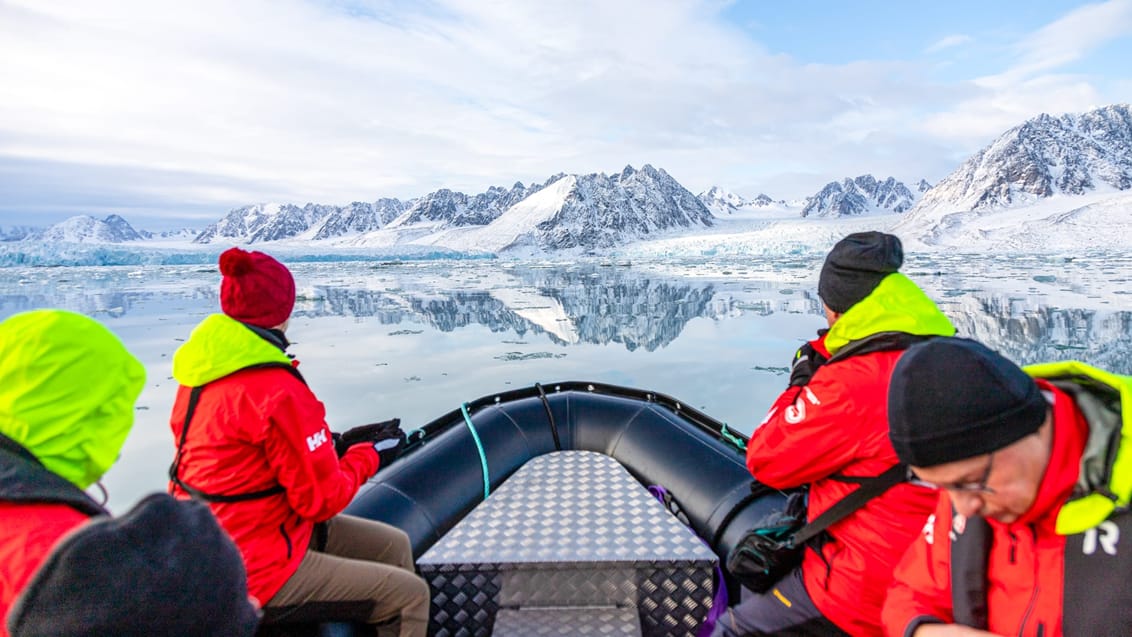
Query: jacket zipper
point(1037, 581)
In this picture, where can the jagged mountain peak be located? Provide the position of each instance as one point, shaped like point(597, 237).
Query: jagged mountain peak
point(592, 211)
point(859, 196)
point(87, 229)
point(723, 202)
point(1045, 156)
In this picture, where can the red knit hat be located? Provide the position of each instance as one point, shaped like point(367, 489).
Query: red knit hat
point(256, 288)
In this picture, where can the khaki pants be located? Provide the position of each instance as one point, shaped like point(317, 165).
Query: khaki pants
point(365, 573)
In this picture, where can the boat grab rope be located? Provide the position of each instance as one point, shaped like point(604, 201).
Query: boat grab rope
point(549, 416)
point(720, 600)
point(726, 435)
point(479, 448)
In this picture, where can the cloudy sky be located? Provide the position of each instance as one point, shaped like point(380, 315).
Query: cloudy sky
point(171, 113)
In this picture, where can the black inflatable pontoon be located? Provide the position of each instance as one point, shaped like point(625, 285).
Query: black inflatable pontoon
point(659, 440)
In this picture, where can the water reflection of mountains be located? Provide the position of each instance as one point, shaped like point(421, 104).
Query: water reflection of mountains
point(623, 306)
point(643, 312)
point(566, 308)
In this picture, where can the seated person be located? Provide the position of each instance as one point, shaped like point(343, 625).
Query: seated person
point(1031, 534)
point(830, 427)
point(67, 392)
point(252, 441)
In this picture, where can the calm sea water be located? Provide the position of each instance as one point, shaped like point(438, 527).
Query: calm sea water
point(415, 340)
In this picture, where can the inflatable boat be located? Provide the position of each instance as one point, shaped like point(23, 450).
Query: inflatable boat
point(567, 508)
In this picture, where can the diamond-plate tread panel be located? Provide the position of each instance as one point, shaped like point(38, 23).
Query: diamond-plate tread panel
point(569, 506)
point(566, 622)
point(569, 528)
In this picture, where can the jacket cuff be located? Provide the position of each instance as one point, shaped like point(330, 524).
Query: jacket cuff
point(922, 620)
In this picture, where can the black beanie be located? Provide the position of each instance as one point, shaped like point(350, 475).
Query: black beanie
point(952, 398)
point(855, 266)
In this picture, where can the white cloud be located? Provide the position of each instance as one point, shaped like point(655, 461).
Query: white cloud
point(948, 42)
point(332, 102)
point(1029, 84)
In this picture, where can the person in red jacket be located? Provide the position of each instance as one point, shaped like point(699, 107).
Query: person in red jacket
point(829, 430)
point(253, 442)
point(1031, 532)
point(67, 392)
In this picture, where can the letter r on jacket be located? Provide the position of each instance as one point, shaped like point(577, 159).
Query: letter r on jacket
point(1107, 534)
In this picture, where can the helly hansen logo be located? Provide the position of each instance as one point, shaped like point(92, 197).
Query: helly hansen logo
point(1107, 534)
point(316, 440)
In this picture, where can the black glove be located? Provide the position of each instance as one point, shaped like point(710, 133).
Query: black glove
point(389, 448)
point(807, 360)
point(366, 433)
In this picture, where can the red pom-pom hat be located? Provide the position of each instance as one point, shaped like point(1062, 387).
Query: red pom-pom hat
point(255, 288)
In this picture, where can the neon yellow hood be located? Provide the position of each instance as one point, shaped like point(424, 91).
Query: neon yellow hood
point(1106, 477)
point(67, 391)
point(896, 305)
point(219, 346)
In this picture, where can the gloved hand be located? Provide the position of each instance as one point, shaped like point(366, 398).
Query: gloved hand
point(366, 433)
point(389, 448)
point(807, 360)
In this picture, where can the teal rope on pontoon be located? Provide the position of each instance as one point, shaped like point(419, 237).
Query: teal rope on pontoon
point(726, 435)
point(479, 447)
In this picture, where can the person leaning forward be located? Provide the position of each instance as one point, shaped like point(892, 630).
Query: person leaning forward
point(1031, 533)
point(253, 442)
point(67, 392)
point(830, 425)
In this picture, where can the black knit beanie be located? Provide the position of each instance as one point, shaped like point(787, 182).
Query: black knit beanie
point(856, 265)
point(952, 398)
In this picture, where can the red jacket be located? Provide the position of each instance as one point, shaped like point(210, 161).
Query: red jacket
point(255, 429)
point(31, 530)
point(1026, 570)
point(837, 424)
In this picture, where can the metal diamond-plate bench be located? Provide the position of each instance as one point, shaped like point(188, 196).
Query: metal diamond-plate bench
point(567, 622)
point(569, 529)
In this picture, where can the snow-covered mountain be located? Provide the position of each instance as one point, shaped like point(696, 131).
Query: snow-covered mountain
point(861, 196)
point(357, 218)
point(186, 234)
point(18, 233)
point(1044, 177)
point(592, 211)
point(445, 208)
point(264, 222)
point(87, 229)
point(1073, 154)
point(724, 202)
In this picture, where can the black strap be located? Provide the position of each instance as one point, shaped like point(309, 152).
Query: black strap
point(175, 468)
point(549, 416)
point(869, 489)
point(970, 556)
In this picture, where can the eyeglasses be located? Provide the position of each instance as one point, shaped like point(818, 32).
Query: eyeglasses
point(979, 486)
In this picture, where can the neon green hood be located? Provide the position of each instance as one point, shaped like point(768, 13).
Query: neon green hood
point(1106, 473)
point(67, 391)
point(896, 305)
point(219, 346)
